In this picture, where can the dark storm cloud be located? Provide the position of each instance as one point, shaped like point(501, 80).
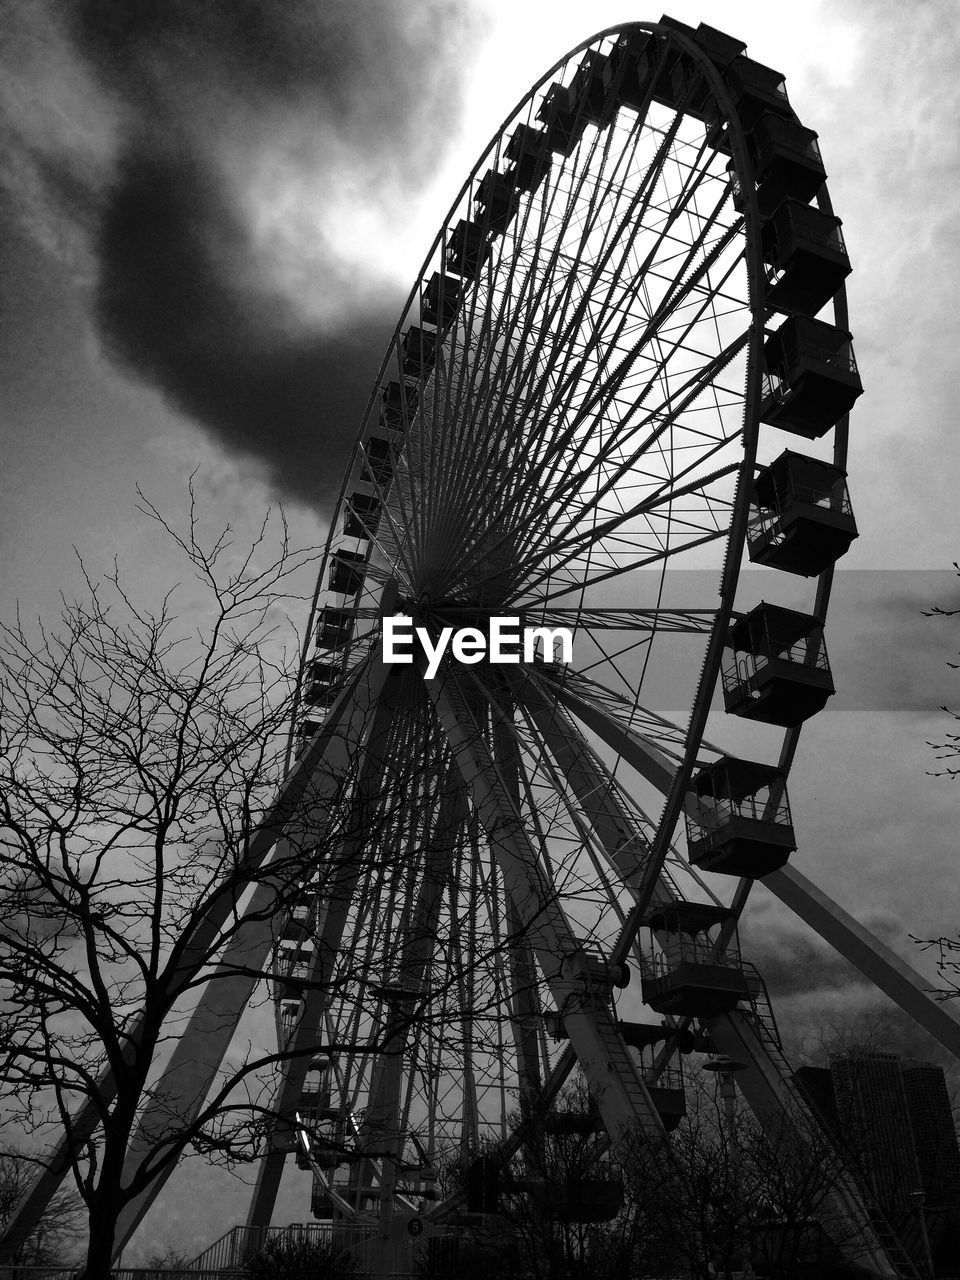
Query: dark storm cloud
point(793, 960)
point(218, 119)
point(172, 304)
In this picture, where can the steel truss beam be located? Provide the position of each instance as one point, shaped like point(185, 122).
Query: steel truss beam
point(865, 951)
point(326, 946)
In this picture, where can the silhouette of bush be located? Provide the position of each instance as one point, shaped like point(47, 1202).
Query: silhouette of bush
point(303, 1260)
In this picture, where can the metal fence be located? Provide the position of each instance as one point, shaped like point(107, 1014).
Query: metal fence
point(17, 1272)
point(232, 1250)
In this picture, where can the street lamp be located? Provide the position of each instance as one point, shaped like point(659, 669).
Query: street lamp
point(918, 1199)
point(725, 1070)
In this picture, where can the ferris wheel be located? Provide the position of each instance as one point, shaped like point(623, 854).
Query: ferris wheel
point(622, 375)
point(585, 418)
point(579, 425)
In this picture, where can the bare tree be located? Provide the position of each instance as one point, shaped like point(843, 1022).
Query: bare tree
point(55, 1238)
point(555, 1210)
point(692, 1193)
point(947, 948)
point(948, 748)
point(708, 1202)
point(142, 757)
point(713, 1202)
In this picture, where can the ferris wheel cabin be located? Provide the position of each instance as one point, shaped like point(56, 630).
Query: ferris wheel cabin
point(811, 377)
point(361, 515)
point(801, 519)
point(440, 302)
point(322, 685)
point(786, 159)
point(347, 571)
point(739, 822)
point(398, 404)
point(754, 90)
point(689, 974)
point(529, 153)
point(776, 668)
point(805, 257)
point(334, 627)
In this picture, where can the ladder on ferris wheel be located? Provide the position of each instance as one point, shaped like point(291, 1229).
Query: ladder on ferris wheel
point(762, 1009)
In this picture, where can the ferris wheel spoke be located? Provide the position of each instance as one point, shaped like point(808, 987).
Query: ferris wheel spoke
point(692, 388)
point(655, 743)
point(708, 222)
point(623, 1098)
point(608, 657)
point(568, 253)
point(600, 394)
point(469, 445)
point(550, 322)
point(491, 489)
point(690, 391)
point(623, 836)
point(586, 814)
point(642, 754)
point(667, 619)
point(599, 391)
point(566, 537)
point(530, 765)
point(465, 1005)
point(581, 574)
point(524, 1000)
point(547, 402)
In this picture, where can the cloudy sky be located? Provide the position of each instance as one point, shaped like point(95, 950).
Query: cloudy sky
point(211, 212)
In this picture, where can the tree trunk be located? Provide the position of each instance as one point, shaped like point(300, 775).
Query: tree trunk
point(103, 1230)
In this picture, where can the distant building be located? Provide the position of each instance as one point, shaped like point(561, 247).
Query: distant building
point(871, 1102)
point(935, 1137)
point(894, 1122)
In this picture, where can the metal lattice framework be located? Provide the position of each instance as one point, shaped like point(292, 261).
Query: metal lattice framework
point(578, 422)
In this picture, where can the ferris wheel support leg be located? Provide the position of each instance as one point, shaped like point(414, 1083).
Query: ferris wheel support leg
point(622, 1097)
point(339, 895)
point(178, 1097)
point(525, 1006)
point(883, 967)
point(775, 1101)
point(382, 1122)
